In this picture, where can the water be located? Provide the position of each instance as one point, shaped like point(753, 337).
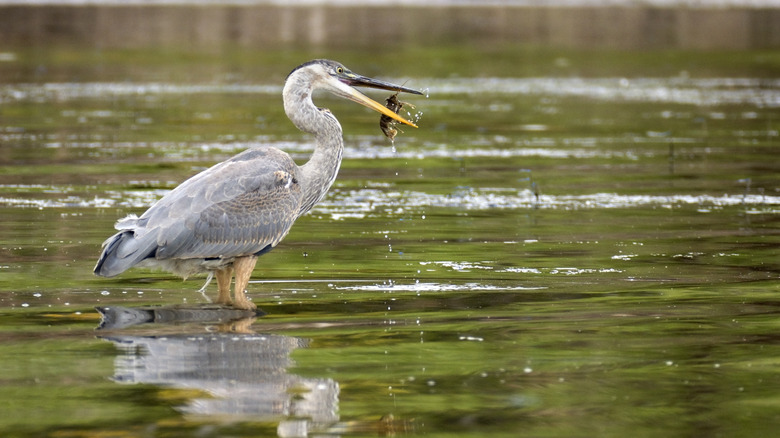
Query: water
point(587, 251)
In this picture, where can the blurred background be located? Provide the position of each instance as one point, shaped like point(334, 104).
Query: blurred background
point(123, 40)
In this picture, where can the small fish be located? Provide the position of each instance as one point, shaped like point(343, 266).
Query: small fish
point(386, 123)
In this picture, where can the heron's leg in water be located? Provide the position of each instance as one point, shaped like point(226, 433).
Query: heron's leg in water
point(223, 285)
point(244, 267)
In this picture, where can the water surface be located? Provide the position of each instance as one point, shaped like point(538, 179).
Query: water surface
point(547, 255)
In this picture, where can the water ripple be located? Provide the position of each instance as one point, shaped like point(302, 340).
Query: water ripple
point(432, 287)
point(343, 204)
point(701, 92)
point(764, 93)
point(359, 203)
point(100, 90)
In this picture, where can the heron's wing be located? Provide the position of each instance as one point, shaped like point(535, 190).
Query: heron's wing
point(259, 216)
point(238, 207)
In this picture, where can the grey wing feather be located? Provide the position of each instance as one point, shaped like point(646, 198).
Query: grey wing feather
point(237, 207)
point(260, 216)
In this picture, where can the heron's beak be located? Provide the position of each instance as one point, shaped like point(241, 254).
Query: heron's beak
point(354, 95)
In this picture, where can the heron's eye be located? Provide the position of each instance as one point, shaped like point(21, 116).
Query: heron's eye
point(339, 70)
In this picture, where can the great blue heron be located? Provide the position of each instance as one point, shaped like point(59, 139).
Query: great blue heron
point(220, 220)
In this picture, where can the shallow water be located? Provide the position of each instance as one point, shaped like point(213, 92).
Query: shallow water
point(545, 256)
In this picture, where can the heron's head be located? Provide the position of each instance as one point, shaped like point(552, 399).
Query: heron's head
point(332, 76)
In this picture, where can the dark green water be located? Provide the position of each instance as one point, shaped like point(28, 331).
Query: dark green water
point(588, 247)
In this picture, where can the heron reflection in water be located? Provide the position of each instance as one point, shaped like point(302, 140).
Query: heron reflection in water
point(220, 220)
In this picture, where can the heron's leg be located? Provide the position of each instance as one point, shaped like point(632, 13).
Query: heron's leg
point(224, 276)
point(244, 267)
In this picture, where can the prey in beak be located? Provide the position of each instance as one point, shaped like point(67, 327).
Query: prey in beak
point(355, 80)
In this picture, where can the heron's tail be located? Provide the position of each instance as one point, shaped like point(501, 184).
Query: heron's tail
point(122, 251)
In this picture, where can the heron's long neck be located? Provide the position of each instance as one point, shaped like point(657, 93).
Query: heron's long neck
point(318, 174)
